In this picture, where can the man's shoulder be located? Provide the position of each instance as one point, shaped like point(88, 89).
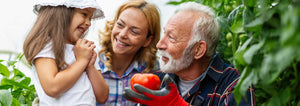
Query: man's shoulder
point(221, 72)
point(229, 75)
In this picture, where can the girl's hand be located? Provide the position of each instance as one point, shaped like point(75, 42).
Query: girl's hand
point(83, 50)
point(92, 61)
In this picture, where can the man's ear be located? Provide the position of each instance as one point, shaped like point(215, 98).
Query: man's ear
point(199, 49)
point(148, 41)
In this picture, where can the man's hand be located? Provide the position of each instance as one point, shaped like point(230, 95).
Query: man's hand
point(167, 96)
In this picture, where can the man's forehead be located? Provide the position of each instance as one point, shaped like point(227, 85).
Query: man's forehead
point(183, 19)
point(180, 22)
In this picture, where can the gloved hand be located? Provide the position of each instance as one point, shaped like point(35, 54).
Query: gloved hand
point(167, 96)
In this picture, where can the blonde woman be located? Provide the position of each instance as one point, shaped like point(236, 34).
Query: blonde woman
point(128, 47)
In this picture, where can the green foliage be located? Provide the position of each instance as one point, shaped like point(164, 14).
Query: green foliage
point(261, 38)
point(15, 87)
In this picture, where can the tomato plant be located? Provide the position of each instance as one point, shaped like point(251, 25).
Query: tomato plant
point(147, 80)
point(15, 88)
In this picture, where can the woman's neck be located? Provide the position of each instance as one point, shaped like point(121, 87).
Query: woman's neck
point(120, 63)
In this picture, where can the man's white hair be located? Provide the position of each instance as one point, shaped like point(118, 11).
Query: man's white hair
point(206, 28)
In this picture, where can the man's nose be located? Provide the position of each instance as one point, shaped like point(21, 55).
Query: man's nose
point(161, 45)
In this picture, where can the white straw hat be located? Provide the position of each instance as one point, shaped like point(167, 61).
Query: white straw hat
point(71, 3)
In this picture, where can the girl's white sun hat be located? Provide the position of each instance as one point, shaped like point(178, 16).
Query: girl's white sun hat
point(71, 3)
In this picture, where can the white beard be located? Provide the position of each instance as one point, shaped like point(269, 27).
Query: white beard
point(176, 65)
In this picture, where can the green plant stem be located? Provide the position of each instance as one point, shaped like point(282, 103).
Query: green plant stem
point(234, 36)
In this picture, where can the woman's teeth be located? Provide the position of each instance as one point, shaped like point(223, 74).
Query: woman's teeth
point(121, 43)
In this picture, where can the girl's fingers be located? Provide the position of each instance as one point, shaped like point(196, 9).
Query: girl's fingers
point(84, 41)
point(90, 43)
point(93, 46)
point(78, 41)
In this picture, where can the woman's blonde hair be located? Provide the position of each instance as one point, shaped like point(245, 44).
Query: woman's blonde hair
point(52, 24)
point(145, 54)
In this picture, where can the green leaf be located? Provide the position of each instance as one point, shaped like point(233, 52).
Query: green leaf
point(6, 81)
point(4, 70)
point(19, 56)
point(11, 63)
point(284, 95)
point(249, 3)
point(238, 93)
point(237, 27)
point(5, 98)
point(246, 43)
point(17, 92)
point(248, 55)
point(254, 23)
point(274, 101)
point(290, 23)
point(21, 99)
point(238, 57)
point(173, 3)
point(265, 16)
point(223, 22)
point(248, 16)
point(283, 59)
point(26, 81)
point(232, 15)
point(18, 73)
point(15, 102)
point(245, 79)
point(5, 86)
point(265, 68)
point(178, 2)
point(247, 82)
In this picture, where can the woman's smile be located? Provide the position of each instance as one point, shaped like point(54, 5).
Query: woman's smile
point(120, 44)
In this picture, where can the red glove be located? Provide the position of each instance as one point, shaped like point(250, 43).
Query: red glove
point(167, 96)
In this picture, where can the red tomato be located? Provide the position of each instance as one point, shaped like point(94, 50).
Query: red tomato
point(147, 80)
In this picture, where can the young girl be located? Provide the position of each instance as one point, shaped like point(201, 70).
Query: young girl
point(63, 63)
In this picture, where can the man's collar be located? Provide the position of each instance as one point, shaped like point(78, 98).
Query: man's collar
point(215, 69)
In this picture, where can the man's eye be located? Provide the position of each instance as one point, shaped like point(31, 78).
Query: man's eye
point(171, 38)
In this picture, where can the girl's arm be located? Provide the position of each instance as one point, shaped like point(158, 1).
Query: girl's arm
point(55, 82)
point(100, 87)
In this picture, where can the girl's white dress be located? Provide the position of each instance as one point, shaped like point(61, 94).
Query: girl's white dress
point(80, 94)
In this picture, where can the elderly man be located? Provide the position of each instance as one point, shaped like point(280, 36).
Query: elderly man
point(188, 55)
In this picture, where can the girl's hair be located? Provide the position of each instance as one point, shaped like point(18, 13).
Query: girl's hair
point(52, 25)
point(145, 54)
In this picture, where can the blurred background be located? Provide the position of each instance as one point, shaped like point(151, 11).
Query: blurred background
point(17, 19)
